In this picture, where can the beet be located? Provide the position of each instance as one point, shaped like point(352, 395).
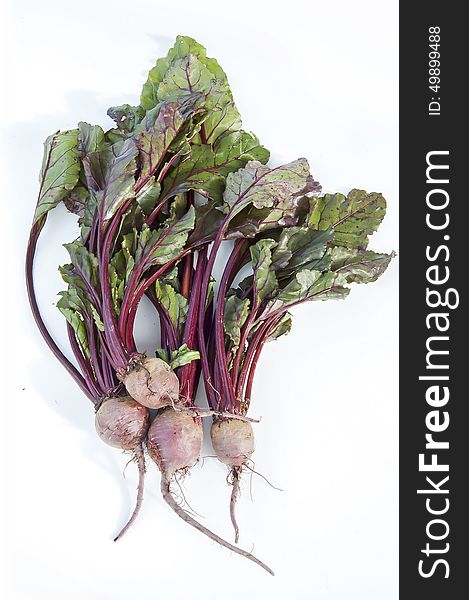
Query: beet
point(174, 441)
point(122, 422)
point(152, 383)
point(233, 441)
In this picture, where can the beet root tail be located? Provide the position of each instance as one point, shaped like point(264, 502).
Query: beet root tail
point(138, 504)
point(235, 492)
point(168, 497)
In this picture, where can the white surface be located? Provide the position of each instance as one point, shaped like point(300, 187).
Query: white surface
point(311, 78)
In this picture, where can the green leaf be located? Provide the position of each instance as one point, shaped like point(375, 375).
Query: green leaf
point(154, 143)
point(186, 70)
point(90, 138)
point(205, 168)
point(72, 279)
point(171, 277)
point(178, 207)
point(163, 354)
point(183, 356)
point(185, 76)
point(80, 200)
point(85, 263)
point(283, 327)
point(359, 266)
point(235, 314)
point(263, 187)
point(251, 221)
point(86, 221)
point(210, 291)
point(73, 298)
point(97, 318)
point(248, 223)
point(352, 218)
point(183, 48)
point(208, 219)
point(76, 200)
point(59, 172)
point(79, 328)
point(110, 174)
point(120, 269)
point(179, 358)
point(126, 117)
point(300, 248)
point(117, 286)
point(83, 283)
point(222, 117)
point(175, 304)
point(314, 285)
point(265, 282)
point(71, 307)
point(157, 247)
point(148, 196)
point(306, 286)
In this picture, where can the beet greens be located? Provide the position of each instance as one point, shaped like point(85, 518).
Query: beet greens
point(314, 260)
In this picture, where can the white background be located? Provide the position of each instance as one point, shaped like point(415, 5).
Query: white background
point(315, 79)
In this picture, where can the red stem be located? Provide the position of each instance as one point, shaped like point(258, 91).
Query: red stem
point(187, 275)
point(242, 344)
point(226, 387)
point(189, 373)
point(219, 333)
point(84, 364)
point(85, 384)
point(108, 373)
point(163, 333)
point(252, 368)
point(155, 212)
point(130, 304)
point(171, 333)
point(94, 358)
point(119, 353)
point(248, 358)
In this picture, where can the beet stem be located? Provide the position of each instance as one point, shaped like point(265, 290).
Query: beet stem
point(253, 346)
point(201, 317)
point(141, 479)
point(169, 499)
point(136, 289)
point(116, 345)
point(84, 365)
point(219, 333)
point(253, 364)
point(189, 374)
point(85, 384)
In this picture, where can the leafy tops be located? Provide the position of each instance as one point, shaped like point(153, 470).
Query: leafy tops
point(313, 261)
point(172, 175)
point(185, 70)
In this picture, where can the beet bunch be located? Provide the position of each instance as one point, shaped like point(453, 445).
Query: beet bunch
point(157, 196)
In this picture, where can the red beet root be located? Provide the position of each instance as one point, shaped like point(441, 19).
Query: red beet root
point(123, 423)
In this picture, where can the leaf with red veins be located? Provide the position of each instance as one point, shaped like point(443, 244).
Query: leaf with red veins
point(153, 144)
point(110, 174)
point(206, 168)
point(265, 187)
point(60, 170)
